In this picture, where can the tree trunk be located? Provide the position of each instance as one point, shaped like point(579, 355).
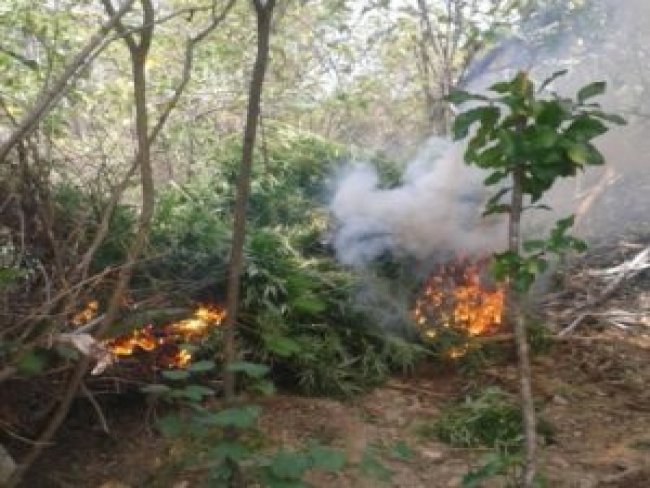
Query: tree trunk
point(515, 306)
point(264, 11)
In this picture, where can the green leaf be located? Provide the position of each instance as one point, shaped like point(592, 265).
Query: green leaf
point(544, 137)
point(372, 467)
point(494, 464)
point(584, 128)
point(487, 115)
point(402, 451)
point(327, 459)
point(578, 153)
point(550, 113)
point(266, 388)
point(613, 118)
point(591, 90)
point(269, 480)
point(201, 366)
point(176, 374)
point(156, 389)
point(523, 280)
point(282, 345)
point(32, 363)
point(252, 370)
point(494, 178)
point(232, 450)
point(309, 304)
point(221, 474)
point(171, 425)
point(289, 465)
point(501, 87)
point(239, 417)
point(196, 392)
point(551, 79)
point(533, 245)
point(496, 209)
point(458, 97)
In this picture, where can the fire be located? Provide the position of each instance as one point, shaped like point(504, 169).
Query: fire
point(87, 314)
point(167, 340)
point(455, 297)
point(198, 325)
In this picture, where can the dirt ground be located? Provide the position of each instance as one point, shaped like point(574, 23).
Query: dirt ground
point(594, 391)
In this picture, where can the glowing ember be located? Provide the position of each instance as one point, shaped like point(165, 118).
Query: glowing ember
point(127, 344)
point(167, 339)
point(455, 297)
point(87, 314)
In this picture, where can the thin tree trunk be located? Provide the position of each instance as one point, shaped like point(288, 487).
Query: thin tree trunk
point(264, 11)
point(515, 305)
point(51, 92)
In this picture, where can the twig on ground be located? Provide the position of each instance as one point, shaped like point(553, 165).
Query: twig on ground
point(620, 274)
point(98, 410)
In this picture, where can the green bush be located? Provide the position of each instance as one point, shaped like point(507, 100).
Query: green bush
point(297, 312)
point(491, 419)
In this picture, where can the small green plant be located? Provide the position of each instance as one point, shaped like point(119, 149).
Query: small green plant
point(499, 463)
point(491, 419)
point(226, 442)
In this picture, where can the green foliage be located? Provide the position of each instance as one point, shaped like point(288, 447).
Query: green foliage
point(372, 466)
point(287, 468)
point(494, 464)
point(529, 141)
point(490, 419)
point(501, 463)
point(224, 438)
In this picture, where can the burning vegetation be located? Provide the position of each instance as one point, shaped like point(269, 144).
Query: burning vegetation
point(169, 342)
point(169, 339)
point(455, 296)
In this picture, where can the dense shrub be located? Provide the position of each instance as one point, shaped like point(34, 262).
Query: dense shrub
point(298, 311)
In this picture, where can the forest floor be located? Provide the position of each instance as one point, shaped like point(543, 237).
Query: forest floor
point(595, 392)
point(592, 387)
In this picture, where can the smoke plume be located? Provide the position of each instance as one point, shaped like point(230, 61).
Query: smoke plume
point(437, 207)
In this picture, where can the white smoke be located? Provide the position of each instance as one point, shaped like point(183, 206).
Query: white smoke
point(436, 209)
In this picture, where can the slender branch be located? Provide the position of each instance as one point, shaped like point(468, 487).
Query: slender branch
point(30, 63)
point(50, 93)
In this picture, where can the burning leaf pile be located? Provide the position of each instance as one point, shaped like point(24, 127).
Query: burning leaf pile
point(456, 297)
point(168, 341)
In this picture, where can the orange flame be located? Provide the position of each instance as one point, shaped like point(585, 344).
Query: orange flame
point(87, 314)
point(455, 297)
point(169, 337)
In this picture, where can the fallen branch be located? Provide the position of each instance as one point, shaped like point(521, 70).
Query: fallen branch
point(620, 273)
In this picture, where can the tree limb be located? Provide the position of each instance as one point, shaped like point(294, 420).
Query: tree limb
point(50, 93)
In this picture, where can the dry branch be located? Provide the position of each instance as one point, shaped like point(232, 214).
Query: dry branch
point(614, 277)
